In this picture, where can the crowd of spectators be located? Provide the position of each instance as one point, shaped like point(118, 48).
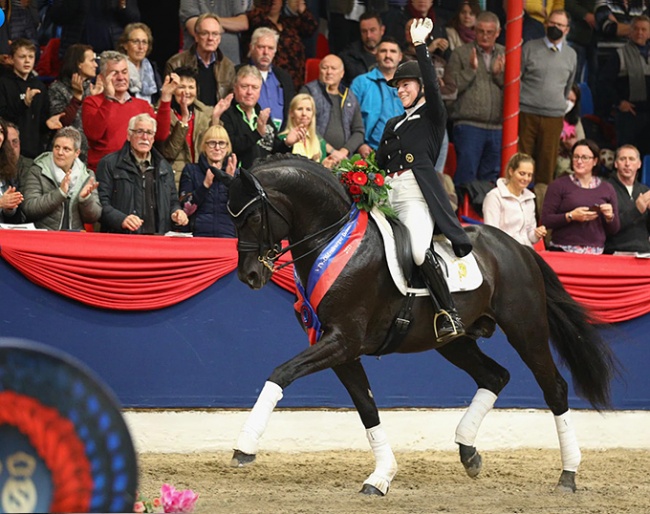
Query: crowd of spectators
point(166, 126)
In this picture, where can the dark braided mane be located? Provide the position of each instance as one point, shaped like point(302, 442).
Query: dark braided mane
point(305, 166)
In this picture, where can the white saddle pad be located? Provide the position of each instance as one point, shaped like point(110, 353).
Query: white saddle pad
point(462, 273)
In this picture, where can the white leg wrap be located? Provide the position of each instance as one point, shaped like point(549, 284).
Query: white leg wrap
point(467, 429)
point(568, 442)
point(258, 418)
point(385, 463)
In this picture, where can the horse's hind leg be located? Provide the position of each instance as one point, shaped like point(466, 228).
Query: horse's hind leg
point(490, 378)
point(532, 345)
point(354, 378)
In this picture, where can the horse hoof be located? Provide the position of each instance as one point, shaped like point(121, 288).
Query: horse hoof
point(567, 482)
point(471, 460)
point(371, 490)
point(241, 459)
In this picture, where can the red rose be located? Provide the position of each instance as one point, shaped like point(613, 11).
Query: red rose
point(379, 180)
point(360, 164)
point(355, 190)
point(360, 178)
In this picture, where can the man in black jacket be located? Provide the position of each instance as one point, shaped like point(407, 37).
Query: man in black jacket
point(251, 130)
point(633, 202)
point(136, 185)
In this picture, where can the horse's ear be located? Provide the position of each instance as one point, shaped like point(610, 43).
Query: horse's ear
point(249, 182)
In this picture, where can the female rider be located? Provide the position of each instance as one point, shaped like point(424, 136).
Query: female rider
point(408, 150)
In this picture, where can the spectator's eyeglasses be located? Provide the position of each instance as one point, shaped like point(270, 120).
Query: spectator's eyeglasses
point(215, 144)
point(139, 42)
point(205, 33)
point(142, 132)
point(583, 158)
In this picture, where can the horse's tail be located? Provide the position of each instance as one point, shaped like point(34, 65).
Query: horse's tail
point(577, 340)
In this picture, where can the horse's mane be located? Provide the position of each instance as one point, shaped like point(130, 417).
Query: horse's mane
point(304, 166)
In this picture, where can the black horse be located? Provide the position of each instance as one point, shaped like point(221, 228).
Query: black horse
point(299, 200)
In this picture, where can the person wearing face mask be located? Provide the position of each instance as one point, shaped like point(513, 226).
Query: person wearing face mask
point(548, 67)
point(408, 150)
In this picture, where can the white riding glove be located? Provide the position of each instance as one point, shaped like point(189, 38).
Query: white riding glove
point(420, 29)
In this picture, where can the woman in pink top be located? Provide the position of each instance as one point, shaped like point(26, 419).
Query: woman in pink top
point(510, 206)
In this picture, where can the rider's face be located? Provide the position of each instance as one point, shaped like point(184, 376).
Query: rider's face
point(407, 91)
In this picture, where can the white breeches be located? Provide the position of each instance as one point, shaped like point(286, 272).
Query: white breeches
point(411, 208)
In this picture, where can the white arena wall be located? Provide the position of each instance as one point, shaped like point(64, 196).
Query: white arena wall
point(166, 431)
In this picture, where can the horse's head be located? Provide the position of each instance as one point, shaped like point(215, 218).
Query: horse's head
point(261, 226)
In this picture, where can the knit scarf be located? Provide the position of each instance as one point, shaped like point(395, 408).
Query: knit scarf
point(467, 34)
point(142, 83)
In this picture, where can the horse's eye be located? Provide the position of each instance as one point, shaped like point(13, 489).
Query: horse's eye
point(256, 218)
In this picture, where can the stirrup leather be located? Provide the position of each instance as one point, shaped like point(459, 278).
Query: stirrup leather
point(443, 312)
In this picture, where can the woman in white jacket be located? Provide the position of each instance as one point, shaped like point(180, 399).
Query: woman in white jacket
point(510, 206)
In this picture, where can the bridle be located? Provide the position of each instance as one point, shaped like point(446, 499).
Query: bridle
point(268, 251)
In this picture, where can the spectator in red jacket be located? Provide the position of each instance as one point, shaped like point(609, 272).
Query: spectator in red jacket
point(106, 116)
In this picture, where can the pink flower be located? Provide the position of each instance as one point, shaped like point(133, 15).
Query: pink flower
point(139, 507)
point(177, 501)
point(157, 502)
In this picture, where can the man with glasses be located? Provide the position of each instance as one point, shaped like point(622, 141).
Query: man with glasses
point(475, 73)
point(215, 71)
point(136, 185)
point(106, 115)
point(232, 16)
point(548, 67)
point(633, 202)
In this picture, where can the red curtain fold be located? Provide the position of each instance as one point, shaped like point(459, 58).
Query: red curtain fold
point(119, 272)
point(614, 287)
point(134, 273)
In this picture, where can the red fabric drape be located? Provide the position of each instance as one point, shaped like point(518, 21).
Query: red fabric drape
point(116, 271)
point(124, 272)
point(614, 287)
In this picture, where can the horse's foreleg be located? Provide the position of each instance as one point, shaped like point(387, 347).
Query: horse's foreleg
point(326, 354)
point(354, 378)
point(385, 464)
point(258, 419)
point(467, 430)
point(570, 452)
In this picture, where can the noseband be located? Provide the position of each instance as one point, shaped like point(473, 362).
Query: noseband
point(268, 251)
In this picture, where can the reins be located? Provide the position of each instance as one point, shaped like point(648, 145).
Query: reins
point(269, 252)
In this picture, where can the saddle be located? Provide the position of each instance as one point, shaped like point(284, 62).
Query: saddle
point(462, 273)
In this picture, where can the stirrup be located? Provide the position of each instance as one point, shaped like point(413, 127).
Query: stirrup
point(457, 330)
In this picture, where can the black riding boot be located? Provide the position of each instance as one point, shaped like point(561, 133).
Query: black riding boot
point(447, 324)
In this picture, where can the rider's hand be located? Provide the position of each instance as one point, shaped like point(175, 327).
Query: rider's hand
point(420, 29)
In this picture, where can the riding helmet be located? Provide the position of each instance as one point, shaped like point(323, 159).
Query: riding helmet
point(406, 70)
